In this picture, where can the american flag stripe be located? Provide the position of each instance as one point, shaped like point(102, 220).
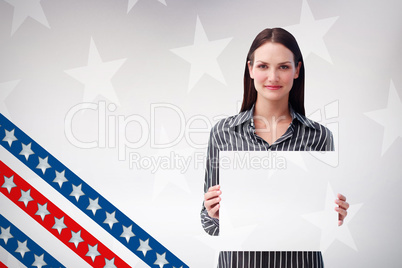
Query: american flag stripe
point(81, 194)
point(23, 248)
point(2, 265)
point(54, 220)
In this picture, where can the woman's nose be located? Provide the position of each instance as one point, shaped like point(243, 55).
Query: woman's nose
point(272, 75)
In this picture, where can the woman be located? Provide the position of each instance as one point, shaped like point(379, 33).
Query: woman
point(272, 118)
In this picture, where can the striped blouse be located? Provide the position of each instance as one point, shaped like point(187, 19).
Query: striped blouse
point(237, 133)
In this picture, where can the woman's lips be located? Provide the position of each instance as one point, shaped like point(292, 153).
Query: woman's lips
point(272, 87)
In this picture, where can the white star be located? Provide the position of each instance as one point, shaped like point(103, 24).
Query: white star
point(109, 263)
point(330, 234)
point(131, 4)
point(93, 205)
point(43, 165)
point(5, 234)
point(23, 10)
point(5, 90)
point(26, 150)
point(164, 177)
point(93, 252)
point(9, 137)
point(144, 247)
point(59, 224)
point(310, 33)
point(203, 56)
point(110, 219)
point(39, 262)
point(76, 238)
point(25, 197)
point(390, 118)
point(9, 183)
point(97, 76)
point(22, 248)
point(127, 232)
point(161, 260)
point(60, 178)
point(343, 233)
point(42, 211)
point(77, 192)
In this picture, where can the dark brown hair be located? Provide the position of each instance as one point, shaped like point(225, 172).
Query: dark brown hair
point(281, 36)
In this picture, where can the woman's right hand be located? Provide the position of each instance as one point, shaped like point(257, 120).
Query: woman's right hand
point(211, 201)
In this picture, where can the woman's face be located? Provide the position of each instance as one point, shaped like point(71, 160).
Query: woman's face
point(273, 71)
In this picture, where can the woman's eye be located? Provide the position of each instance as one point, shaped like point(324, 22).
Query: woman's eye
point(284, 67)
point(262, 66)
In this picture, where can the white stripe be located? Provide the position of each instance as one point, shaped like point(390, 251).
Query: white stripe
point(308, 140)
point(297, 138)
point(315, 149)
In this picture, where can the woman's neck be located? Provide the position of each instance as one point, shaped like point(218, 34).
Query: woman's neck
point(272, 110)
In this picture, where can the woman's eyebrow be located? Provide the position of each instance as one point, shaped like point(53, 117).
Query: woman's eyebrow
point(285, 62)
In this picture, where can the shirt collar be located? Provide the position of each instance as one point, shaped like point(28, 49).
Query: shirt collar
point(248, 115)
point(242, 117)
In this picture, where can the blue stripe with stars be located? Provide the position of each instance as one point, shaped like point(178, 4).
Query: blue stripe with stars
point(23, 248)
point(85, 197)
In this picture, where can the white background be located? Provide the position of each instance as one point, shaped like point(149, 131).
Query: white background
point(191, 55)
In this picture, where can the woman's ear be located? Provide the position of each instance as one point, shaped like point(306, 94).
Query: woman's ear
point(297, 70)
point(250, 69)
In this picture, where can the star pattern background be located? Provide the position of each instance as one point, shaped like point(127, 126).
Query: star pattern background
point(130, 54)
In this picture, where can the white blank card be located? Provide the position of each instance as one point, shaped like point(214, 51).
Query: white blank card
point(275, 201)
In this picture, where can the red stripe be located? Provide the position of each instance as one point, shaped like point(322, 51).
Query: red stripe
point(49, 220)
point(2, 265)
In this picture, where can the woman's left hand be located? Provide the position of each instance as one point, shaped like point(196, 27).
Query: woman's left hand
point(341, 208)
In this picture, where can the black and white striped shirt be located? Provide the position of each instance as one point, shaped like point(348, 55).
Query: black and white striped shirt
point(237, 133)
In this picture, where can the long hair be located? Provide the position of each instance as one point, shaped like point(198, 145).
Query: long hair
point(281, 36)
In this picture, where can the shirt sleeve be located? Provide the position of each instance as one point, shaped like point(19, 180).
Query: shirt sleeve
point(329, 141)
point(211, 225)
